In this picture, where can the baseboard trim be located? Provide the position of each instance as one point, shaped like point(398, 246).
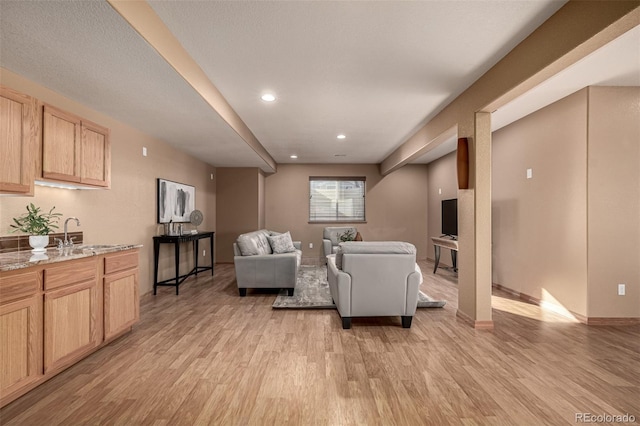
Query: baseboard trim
point(478, 325)
point(581, 318)
point(623, 321)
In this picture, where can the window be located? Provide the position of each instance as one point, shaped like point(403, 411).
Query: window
point(336, 199)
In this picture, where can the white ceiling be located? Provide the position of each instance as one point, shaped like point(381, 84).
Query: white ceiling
point(375, 71)
point(615, 64)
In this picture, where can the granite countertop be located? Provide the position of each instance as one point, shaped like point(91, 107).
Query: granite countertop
point(24, 259)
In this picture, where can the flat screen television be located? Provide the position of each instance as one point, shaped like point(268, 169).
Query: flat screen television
point(450, 217)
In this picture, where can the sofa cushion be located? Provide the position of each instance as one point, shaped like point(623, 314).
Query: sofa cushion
point(254, 243)
point(281, 243)
point(377, 247)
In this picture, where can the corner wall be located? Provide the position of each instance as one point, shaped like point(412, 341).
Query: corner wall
point(125, 214)
point(396, 204)
point(540, 224)
point(442, 177)
point(614, 201)
point(239, 209)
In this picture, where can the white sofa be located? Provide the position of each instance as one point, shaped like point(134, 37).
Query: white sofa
point(374, 278)
point(258, 267)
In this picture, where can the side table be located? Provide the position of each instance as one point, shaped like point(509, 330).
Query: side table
point(176, 240)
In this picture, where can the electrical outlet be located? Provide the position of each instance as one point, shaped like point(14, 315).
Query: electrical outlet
point(310, 245)
point(529, 173)
point(144, 151)
point(439, 191)
point(204, 253)
point(621, 289)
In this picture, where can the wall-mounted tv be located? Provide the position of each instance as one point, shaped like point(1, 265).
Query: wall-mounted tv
point(450, 217)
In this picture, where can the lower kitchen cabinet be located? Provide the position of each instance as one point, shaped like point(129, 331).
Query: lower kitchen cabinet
point(20, 344)
point(53, 315)
point(121, 300)
point(70, 324)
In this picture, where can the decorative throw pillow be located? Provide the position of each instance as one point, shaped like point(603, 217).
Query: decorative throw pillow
point(281, 243)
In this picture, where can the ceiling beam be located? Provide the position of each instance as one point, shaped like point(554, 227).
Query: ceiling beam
point(575, 31)
point(148, 24)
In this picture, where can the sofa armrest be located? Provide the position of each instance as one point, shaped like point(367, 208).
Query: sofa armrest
point(327, 247)
point(340, 287)
point(413, 288)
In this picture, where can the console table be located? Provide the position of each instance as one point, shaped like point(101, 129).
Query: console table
point(176, 240)
point(446, 242)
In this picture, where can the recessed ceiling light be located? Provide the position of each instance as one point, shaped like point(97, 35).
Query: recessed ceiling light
point(294, 156)
point(341, 136)
point(268, 97)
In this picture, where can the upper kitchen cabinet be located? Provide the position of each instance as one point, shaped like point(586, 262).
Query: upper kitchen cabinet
point(18, 142)
point(75, 150)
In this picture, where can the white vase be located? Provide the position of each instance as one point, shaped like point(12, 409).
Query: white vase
point(38, 243)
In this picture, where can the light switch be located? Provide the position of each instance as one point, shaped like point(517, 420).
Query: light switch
point(144, 151)
point(439, 191)
point(529, 173)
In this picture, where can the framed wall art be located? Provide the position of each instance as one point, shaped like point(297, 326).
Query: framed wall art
point(175, 200)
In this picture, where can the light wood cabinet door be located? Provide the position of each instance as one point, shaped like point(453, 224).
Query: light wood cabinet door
point(121, 302)
point(61, 145)
point(95, 165)
point(20, 344)
point(75, 150)
point(18, 142)
point(70, 324)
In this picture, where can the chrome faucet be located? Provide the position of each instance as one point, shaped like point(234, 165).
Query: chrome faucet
point(68, 242)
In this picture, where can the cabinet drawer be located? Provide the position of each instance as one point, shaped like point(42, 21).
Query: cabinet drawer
point(70, 272)
point(18, 286)
point(120, 262)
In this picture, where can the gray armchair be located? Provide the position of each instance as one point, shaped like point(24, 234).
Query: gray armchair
point(377, 278)
point(331, 238)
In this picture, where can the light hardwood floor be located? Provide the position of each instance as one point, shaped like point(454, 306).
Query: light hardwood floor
point(208, 356)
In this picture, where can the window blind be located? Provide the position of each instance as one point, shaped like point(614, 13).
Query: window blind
point(337, 199)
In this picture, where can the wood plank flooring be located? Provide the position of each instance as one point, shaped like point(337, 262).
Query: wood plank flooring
point(208, 356)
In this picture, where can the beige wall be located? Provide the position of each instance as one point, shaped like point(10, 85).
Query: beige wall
point(127, 212)
point(614, 201)
point(572, 233)
point(540, 224)
point(396, 205)
point(238, 202)
point(442, 185)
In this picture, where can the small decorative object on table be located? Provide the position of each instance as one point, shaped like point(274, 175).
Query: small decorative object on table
point(38, 225)
point(196, 219)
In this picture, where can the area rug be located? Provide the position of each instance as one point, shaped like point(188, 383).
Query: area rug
point(312, 292)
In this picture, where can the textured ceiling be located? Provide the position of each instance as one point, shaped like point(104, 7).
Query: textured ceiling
point(87, 52)
point(375, 71)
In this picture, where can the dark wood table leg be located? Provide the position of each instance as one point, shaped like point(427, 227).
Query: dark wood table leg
point(437, 250)
point(177, 255)
point(196, 253)
point(156, 254)
point(211, 252)
point(454, 260)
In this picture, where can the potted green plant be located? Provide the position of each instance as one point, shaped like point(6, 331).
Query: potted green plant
point(38, 224)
